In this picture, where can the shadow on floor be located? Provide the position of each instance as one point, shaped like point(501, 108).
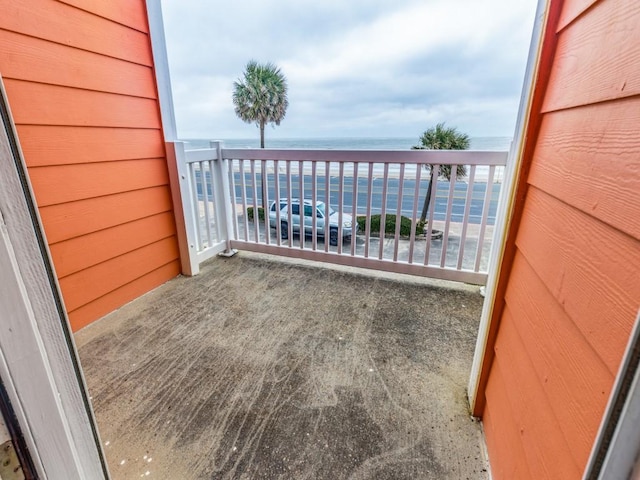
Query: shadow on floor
point(262, 369)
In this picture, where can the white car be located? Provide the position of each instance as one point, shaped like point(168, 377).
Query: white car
point(349, 227)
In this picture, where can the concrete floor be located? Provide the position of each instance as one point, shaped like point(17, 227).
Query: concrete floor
point(266, 369)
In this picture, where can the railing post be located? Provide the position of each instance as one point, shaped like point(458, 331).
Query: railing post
point(183, 208)
point(222, 195)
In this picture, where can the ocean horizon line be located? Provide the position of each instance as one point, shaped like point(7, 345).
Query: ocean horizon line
point(499, 143)
point(355, 137)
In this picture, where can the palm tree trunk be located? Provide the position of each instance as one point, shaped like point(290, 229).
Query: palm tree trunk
point(263, 173)
point(261, 133)
point(427, 198)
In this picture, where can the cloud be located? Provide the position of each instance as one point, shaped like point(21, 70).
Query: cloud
point(357, 68)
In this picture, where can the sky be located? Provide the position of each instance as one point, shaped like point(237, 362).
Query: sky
point(354, 68)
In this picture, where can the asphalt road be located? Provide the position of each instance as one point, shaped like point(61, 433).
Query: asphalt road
point(407, 200)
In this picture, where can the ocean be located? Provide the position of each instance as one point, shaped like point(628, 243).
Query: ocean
point(346, 143)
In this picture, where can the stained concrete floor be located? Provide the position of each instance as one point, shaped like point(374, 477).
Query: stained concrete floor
point(264, 369)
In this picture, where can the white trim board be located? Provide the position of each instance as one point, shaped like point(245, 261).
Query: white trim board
point(174, 149)
point(615, 452)
point(161, 67)
point(38, 361)
point(506, 201)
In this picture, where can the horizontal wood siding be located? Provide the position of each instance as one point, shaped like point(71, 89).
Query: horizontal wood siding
point(86, 285)
point(74, 255)
point(508, 439)
point(547, 450)
point(572, 374)
point(589, 268)
point(576, 163)
point(46, 19)
point(572, 290)
point(45, 145)
point(81, 86)
point(66, 221)
point(42, 61)
point(132, 14)
point(572, 10)
point(86, 108)
point(90, 180)
point(86, 314)
point(597, 57)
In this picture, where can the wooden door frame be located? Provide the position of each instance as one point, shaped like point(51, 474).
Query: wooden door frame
point(39, 365)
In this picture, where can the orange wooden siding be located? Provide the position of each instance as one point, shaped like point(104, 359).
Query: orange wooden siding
point(571, 291)
point(45, 145)
point(81, 86)
point(132, 14)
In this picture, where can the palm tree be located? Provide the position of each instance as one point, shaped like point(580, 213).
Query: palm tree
point(261, 95)
point(441, 138)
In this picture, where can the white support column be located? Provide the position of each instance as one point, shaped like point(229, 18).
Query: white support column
point(506, 202)
point(175, 150)
point(222, 195)
point(190, 265)
point(161, 67)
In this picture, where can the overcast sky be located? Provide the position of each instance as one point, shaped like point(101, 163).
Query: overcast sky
point(355, 68)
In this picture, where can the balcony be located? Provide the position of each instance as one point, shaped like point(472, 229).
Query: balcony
point(223, 188)
point(318, 360)
point(261, 367)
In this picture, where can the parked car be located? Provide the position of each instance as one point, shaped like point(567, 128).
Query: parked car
point(349, 227)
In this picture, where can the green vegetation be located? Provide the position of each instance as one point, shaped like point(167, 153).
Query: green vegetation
point(260, 97)
point(441, 138)
point(260, 213)
point(390, 225)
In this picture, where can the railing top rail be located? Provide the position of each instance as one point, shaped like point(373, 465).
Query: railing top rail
point(200, 155)
point(441, 157)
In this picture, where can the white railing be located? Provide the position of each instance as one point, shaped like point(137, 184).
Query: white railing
point(206, 202)
point(372, 186)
